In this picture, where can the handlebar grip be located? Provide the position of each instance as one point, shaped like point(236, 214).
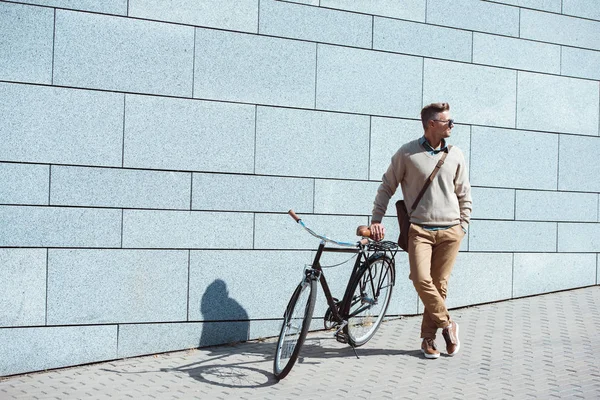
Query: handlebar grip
point(364, 241)
point(363, 231)
point(293, 215)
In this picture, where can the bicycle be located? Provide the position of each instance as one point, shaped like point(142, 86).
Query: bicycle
point(357, 316)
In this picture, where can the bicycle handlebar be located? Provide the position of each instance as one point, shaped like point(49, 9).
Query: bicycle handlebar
point(364, 241)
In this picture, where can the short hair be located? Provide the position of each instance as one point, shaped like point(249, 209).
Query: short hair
point(430, 112)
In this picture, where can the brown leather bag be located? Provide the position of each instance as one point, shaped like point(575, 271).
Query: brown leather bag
point(402, 212)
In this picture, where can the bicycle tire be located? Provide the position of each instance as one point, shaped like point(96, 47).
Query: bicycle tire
point(294, 328)
point(371, 294)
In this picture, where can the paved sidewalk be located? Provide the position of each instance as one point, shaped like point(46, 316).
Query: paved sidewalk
point(539, 347)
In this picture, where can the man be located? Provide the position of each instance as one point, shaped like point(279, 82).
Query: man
point(439, 222)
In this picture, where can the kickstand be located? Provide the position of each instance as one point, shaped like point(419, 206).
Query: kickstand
point(355, 353)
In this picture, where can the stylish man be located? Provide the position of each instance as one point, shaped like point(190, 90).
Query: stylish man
point(438, 223)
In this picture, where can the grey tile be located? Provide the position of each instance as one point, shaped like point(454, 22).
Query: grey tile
point(26, 46)
point(226, 14)
point(410, 9)
point(580, 63)
point(512, 236)
point(344, 197)
point(421, 39)
point(224, 284)
point(477, 94)
point(559, 29)
point(568, 100)
point(382, 83)
point(581, 8)
point(142, 339)
point(537, 155)
point(182, 134)
point(387, 136)
point(22, 287)
point(475, 15)
point(59, 227)
point(254, 69)
point(516, 53)
point(24, 184)
point(186, 229)
point(316, 24)
point(104, 187)
point(493, 203)
point(88, 132)
point(37, 349)
point(118, 7)
point(114, 53)
point(579, 237)
point(542, 273)
point(578, 167)
point(292, 143)
point(115, 286)
point(556, 206)
point(480, 278)
point(252, 193)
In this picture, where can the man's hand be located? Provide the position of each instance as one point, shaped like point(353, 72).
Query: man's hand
point(377, 231)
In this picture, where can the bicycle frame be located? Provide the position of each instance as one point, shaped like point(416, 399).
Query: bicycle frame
point(340, 314)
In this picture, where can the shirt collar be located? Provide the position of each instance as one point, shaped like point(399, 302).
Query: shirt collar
point(423, 142)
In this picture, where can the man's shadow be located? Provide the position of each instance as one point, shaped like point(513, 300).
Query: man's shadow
point(225, 320)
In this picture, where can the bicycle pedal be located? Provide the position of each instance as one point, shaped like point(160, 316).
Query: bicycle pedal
point(341, 337)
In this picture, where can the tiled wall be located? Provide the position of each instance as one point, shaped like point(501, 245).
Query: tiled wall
point(149, 152)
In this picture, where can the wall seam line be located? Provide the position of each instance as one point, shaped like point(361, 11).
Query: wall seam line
point(370, 145)
point(122, 218)
point(517, 100)
point(49, 184)
point(316, 71)
point(123, 136)
point(194, 64)
point(512, 289)
point(253, 231)
point(189, 270)
point(558, 164)
point(47, 283)
point(372, 31)
point(53, 48)
point(191, 189)
point(255, 137)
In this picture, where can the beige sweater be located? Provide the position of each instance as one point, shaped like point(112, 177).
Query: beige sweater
point(446, 202)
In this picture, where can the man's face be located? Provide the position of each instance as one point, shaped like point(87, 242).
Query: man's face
point(441, 126)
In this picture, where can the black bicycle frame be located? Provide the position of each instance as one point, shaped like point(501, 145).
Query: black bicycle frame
point(316, 266)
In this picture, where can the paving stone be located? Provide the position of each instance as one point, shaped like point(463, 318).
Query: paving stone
point(534, 347)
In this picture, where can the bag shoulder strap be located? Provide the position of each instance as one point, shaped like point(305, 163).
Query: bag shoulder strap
point(431, 176)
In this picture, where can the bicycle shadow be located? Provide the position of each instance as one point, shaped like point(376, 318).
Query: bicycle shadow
point(249, 364)
point(256, 372)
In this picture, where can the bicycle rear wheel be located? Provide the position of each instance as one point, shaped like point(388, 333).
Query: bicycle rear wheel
point(372, 290)
point(296, 322)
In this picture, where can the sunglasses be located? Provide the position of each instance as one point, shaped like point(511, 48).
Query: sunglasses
point(449, 121)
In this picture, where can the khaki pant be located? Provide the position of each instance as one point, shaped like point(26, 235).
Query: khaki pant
point(431, 255)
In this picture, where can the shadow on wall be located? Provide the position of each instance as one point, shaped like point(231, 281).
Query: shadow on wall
point(228, 322)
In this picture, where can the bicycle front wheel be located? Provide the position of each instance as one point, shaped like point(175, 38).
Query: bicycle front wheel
point(296, 322)
point(372, 290)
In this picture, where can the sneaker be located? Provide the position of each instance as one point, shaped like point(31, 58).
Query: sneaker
point(450, 334)
point(429, 348)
